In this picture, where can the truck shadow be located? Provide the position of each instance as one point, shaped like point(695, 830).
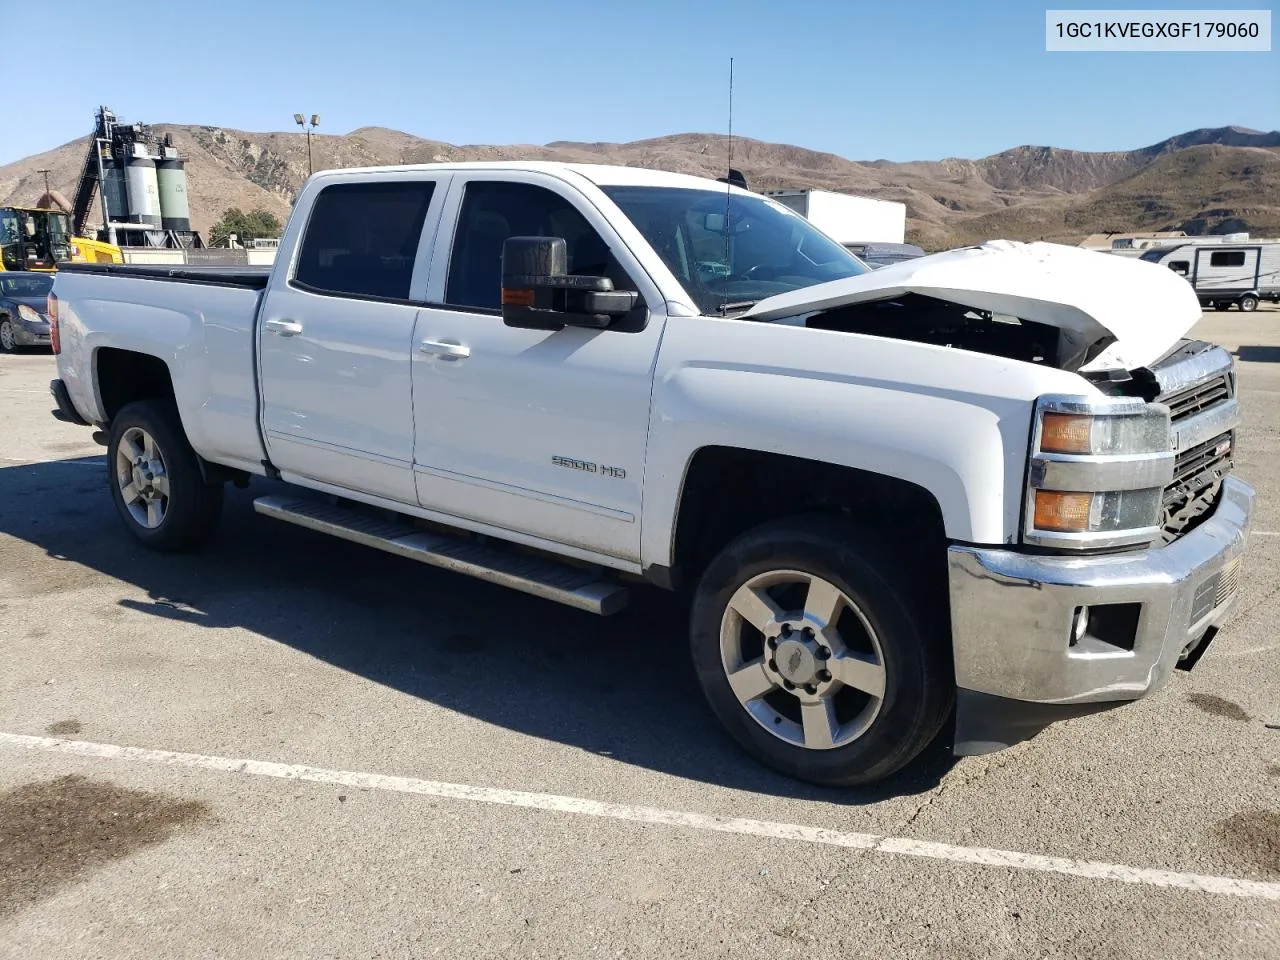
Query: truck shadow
point(621, 686)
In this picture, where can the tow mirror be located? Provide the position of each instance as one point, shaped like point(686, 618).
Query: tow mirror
point(538, 293)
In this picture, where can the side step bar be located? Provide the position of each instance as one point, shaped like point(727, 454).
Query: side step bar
point(573, 586)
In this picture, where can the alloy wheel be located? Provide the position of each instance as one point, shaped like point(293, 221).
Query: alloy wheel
point(803, 659)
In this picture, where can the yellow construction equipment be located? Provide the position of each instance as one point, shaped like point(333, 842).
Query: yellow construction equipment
point(39, 238)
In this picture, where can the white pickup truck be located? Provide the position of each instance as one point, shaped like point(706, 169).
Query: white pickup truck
point(994, 483)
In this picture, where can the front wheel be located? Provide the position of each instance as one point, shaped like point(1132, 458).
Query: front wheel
point(819, 653)
point(1248, 303)
point(8, 339)
point(155, 478)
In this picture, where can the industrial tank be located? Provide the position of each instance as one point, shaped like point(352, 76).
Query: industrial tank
point(144, 191)
point(115, 191)
point(175, 213)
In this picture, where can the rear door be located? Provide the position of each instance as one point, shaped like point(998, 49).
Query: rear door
point(542, 433)
point(335, 335)
point(1226, 271)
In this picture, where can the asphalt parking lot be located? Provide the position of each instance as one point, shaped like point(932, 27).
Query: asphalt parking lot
point(289, 746)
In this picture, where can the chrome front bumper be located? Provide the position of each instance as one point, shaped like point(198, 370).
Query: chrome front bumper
point(1012, 615)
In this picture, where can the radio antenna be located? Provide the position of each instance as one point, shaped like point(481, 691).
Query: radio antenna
point(728, 180)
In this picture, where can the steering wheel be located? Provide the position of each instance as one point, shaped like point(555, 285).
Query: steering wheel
point(761, 271)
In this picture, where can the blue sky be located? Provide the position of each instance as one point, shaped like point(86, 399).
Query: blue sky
point(892, 79)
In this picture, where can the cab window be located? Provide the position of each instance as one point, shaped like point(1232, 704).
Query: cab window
point(362, 239)
point(492, 211)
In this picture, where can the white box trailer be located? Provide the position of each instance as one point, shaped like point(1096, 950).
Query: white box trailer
point(845, 218)
point(1223, 273)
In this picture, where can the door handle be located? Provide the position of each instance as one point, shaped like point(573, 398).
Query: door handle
point(448, 349)
point(285, 328)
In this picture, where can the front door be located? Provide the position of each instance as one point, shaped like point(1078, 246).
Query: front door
point(541, 433)
point(335, 337)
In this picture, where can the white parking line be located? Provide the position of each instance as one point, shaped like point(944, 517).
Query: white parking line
point(772, 830)
point(1266, 533)
point(70, 463)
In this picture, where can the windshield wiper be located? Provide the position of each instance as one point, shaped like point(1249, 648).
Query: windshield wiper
point(736, 305)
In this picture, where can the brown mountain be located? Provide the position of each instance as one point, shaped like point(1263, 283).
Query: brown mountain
point(1208, 180)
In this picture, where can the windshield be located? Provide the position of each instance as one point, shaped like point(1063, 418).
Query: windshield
point(25, 286)
point(727, 262)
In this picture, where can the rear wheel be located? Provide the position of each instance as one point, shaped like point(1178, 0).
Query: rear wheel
point(1248, 302)
point(818, 652)
point(1221, 305)
point(156, 483)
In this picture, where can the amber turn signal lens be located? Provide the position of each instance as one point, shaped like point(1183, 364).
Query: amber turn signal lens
point(516, 297)
point(1062, 512)
point(1066, 433)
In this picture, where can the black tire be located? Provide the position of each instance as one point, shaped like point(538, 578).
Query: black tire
point(7, 344)
point(1221, 305)
point(192, 506)
point(906, 610)
point(1248, 303)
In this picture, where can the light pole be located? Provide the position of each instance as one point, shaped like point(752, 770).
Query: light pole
point(315, 122)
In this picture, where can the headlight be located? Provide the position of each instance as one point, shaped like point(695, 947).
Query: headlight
point(1098, 471)
point(1091, 434)
point(28, 314)
point(1074, 512)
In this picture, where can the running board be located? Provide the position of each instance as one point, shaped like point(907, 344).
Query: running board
point(585, 589)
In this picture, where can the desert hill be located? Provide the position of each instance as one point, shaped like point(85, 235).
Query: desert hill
point(1203, 181)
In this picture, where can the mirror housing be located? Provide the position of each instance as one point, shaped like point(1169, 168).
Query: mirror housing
point(538, 293)
point(717, 223)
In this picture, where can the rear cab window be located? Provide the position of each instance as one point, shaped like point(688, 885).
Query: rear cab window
point(362, 239)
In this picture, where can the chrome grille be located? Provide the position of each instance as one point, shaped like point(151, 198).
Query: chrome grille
point(1200, 466)
point(1197, 398)
point(1198, 387)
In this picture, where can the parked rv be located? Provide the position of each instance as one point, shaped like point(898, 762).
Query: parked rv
point(1242, 271)
point(1133, 244)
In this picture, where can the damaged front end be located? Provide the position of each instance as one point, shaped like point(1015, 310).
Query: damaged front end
point(1197, 382)
point(1043, 303)
point(1043, 635)
point(918, 318)
point(1132, 524)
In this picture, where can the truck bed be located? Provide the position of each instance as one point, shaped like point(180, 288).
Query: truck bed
point(253, 278)
point(199, 323)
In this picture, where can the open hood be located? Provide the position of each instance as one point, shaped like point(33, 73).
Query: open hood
point(1136, 309)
